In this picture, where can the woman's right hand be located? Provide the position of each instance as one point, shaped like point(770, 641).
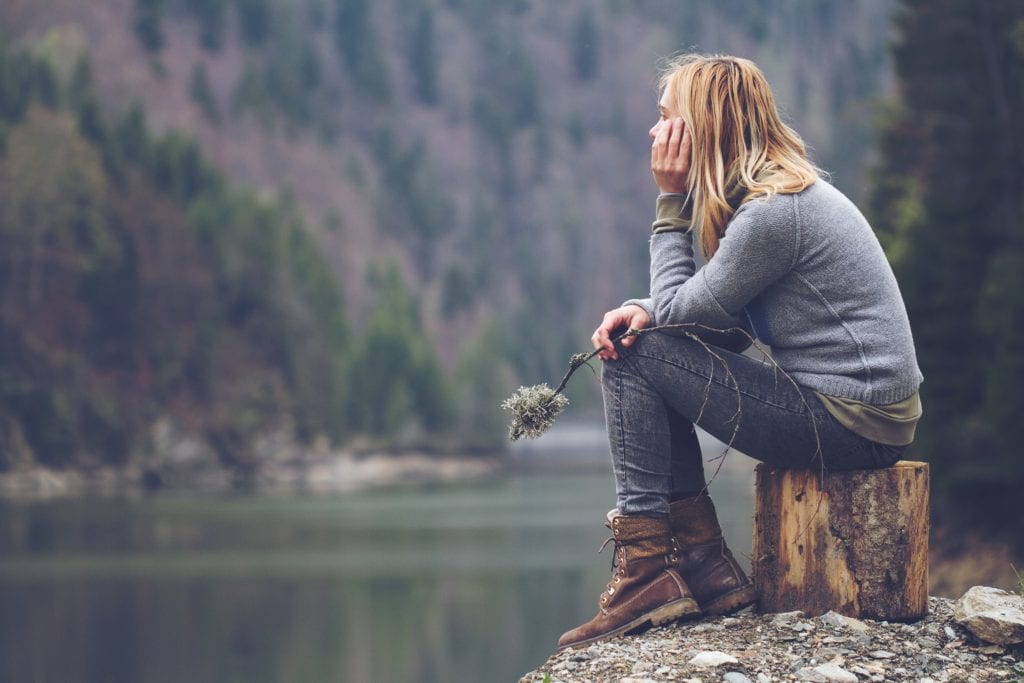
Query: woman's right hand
point(629, 317)
point(670, 155)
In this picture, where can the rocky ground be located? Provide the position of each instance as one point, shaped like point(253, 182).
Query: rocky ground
point(753, 648)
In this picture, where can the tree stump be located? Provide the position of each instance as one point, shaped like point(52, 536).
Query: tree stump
point(855, 542)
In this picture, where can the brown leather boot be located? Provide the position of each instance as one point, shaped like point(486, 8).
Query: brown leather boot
point(705, 562)
point(645, 589)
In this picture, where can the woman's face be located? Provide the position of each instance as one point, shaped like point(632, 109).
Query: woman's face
point(665, 112)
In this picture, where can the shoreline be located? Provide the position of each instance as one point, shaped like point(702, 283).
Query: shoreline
point(335, 472)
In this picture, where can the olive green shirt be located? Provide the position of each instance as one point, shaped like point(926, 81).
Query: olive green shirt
point(892, 425)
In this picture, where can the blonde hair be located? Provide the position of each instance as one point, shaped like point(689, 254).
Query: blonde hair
point(738, 138)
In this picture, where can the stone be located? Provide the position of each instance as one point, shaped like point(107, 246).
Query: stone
point(735, 677)
point(836, 674)
point(837, 620)
point(711, 659)
point(771, 652)
point(786, 618)
point(992, 615)
point(810, 675)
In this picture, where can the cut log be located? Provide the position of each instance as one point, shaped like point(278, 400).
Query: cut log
point(855, 542)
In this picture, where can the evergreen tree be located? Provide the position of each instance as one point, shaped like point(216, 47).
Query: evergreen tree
point(394, 376)
point(202, 94)
point(423, 57)
point(949, 204)
point(210, 14)
point(584, 46)
point(254, 17)
point(357, 41)
point(148, 28)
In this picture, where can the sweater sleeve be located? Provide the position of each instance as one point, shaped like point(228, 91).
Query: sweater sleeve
point(672, 215)
point(760, 245)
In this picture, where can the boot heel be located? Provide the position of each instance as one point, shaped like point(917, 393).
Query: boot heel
point(733, 601)
point(673, 611)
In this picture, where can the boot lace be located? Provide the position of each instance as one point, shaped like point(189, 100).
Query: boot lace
point(618, 558)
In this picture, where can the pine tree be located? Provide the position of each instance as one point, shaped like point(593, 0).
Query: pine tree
point(423, 57)
point(948, 204)
point(584, 46)
point(148, 28)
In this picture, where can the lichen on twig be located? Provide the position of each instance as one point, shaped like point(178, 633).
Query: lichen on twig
point(534, 409)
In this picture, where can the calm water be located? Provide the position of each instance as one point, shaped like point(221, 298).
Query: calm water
point(466, 583)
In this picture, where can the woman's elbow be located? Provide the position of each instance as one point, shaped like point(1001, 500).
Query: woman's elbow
point(664, 311)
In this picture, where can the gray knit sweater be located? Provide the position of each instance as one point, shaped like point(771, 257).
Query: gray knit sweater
point(806, 273)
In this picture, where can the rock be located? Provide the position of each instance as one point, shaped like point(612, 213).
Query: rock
point(786, 618)
point(767, 649)
point(735, 677)
point(992, 615)
point(837, 620)
point(836, 674)
point(713, 658)
point(806, 674)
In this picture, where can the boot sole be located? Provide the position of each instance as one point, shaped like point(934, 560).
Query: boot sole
point(733, 601)
point(672, 611)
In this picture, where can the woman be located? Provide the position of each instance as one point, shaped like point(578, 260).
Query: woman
point(790, 261)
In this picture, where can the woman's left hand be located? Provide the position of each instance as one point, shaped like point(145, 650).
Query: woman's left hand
point(670, 156)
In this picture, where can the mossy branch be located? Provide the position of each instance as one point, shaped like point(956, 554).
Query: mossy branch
point(535, 409)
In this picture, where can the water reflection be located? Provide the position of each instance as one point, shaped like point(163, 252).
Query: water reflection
point(457, 583)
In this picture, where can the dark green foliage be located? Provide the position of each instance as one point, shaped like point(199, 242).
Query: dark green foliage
point(948, 202)
point(423, 56)
point(15, 83)
point(508, 99)
point(584, 45)
point(457, 292)
point(283, 78)
point(148, 28)
point(201, 93)
point(251, 93)
point(317, 13)
point(210, 14)
point(155, 291)
point(482, 379)
point(395, 376)
point(176, 165)
point(424, 213)
point(254, 17)
point(292, 76)
point(356, 40)
point(130, 135)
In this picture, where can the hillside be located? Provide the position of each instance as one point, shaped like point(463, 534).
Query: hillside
point(472, 175)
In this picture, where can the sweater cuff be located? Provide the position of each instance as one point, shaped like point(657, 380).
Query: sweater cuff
point(673, 213)
point(646, 304)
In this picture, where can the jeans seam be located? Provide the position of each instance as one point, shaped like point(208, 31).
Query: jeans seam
point(621, 455)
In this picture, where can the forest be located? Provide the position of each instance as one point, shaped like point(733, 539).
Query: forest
point(365, 223)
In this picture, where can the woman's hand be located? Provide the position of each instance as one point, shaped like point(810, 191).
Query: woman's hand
point(670, 156)
point(630, 317)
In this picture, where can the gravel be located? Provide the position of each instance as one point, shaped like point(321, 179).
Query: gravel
point(752, 648)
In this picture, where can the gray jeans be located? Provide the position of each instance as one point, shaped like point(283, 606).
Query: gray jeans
point(664, 384)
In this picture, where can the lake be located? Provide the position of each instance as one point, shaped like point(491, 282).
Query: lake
point(472, 582)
